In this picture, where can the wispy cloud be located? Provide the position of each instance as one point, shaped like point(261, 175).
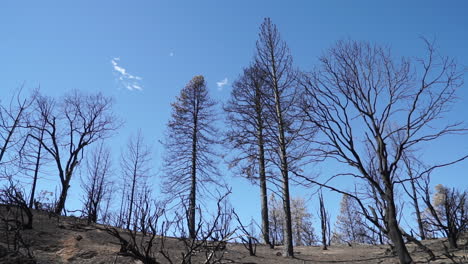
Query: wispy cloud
point(127, 80)
point(221, 84)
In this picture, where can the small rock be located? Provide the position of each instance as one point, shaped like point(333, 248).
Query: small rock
point(78, 237)
point(87, 254)
point(279, 254)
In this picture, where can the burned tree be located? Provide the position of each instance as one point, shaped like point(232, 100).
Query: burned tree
point(413, 169)
point(12, 118)
point(72, 124)
point(136, 168)
point(284, 125)
point(246, 117)
point(448, 212)
point(96, 183)
point(324, 223)
point(190, 163)
point(361, 93)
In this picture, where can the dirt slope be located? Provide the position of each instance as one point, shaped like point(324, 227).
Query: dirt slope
point(69, 240)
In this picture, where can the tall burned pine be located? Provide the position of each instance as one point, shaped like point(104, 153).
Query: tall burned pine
point(246, 114)
point(190, 163)
point(285, 126)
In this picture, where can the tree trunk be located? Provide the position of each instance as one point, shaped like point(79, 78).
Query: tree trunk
point(63, 196)
point(263, 191)
point(192, 198)
point(452, 241)
point(323, 222)
point(36, 170)
point(394, 230)
point(288, 223)
point(422, 234)
point(132, 195)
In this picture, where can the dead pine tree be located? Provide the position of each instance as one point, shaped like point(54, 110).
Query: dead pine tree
point(285, 126)
point(190, 160)
point(361, 93)
point(246, 119)
point(136, 169)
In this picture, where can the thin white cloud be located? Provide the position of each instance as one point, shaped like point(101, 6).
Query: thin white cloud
point(127, 80)
point(171, 54)
point(222, 83)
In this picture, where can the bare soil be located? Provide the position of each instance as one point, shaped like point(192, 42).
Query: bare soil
point(70, 240)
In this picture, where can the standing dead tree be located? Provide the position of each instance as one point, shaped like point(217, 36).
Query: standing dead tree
point(12, 118)
point(324, 223)
point(448, 212)
point(246, 117)
point(96, 183)
point(413, 167)
point(190, 163)
point(32, 154)
point(285, 127)
point(249, 241)
point(136, 168)
point(361, 93)
point(71, 125)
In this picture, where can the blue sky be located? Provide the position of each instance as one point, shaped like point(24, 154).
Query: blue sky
point(161, 45)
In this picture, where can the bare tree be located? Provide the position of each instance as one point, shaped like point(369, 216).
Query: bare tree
point(12, 118)
point(448, 212)
point(324, 223)
point(96, 183)
point(285, 127)
point(190, 159)
point(246, 114)
point(71, 125)
point(413, 167)
point(249, 241)
point(136, 169)
point(361, 93)
point(32, 156)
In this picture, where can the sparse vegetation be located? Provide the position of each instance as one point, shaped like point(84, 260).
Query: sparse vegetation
point(361, 107)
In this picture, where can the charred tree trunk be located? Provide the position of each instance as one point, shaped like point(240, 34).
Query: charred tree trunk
point(263, 192)
point(323, 222)
point(422, 233)
point(36, 171)
point(63, 197)
point(193, 183)
point(393, 227)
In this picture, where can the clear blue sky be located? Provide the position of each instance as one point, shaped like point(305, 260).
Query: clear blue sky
point(63, 45)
